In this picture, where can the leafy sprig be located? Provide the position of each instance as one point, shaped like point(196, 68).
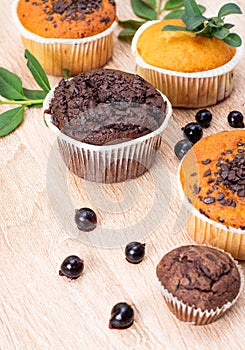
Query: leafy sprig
point(12, 90)
point(211, 27)
point(150, 10)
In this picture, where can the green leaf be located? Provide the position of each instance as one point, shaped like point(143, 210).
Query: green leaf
point(221, 33)
point(66, 73)
point(175, 14)
point(173, 4)
point(191, 8)
point(127, 34)
point(228, 25)
point(228, 9)
point(194, 22)
point(34, 94)
point(206, 31)
point(10, 120)
point(173, 28)
point(202, 8)
point(233, 40)
point(142, 10)
point(10, 85)
point(132, 24)
point(37, 71)
point(150, 3)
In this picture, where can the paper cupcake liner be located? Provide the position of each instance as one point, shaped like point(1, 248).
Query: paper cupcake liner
point(205, 230)
point(109, 163)
point(189, 90)
point(77, 55)
point(193, 315)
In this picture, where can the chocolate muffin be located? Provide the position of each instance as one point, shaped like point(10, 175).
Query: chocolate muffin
point(106, 107)
point(109, 124)
point(201, 278)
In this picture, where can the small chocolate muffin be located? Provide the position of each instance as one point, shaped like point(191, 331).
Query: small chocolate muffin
point(200, 275)
point(106, 106)
point(199, 283)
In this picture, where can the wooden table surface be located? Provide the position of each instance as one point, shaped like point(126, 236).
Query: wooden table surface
point(39, 309)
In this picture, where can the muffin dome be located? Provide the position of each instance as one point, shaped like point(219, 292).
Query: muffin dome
point(66, 19)
point(200, 276)
point(182, 51)
point(212, 176)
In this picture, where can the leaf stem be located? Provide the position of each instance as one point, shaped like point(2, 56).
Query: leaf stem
point(23, 103)
point(159, 9)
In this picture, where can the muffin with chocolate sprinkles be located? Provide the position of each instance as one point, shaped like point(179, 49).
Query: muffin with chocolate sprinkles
point(109, 123)
point(72, 34)
point(199, 283)
point(212, 184)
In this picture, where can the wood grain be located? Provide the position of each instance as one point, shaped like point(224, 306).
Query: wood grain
point(39, 309)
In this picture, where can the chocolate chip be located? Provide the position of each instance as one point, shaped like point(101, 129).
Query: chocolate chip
point(209, 200)
point(206, 161)
point(204, 213)
point(211, 180)
point(221, 220)
point(220, 196)
point(229, 151)
point(242, 227)
point(207, 173)
point(196, 189)
point(241, 193)
point(194, 174)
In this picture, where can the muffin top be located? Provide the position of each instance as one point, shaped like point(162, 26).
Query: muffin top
point(65, 19)
point(212, 176)
point(199, 275)
point(182, 51)
point(106, 106)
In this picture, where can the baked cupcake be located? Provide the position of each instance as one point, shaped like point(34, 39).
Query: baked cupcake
point(199, 283)
point(108, 122)
point(71, 34)
point(192, 71)
point(212, 186)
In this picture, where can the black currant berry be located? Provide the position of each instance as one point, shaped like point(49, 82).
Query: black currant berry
point(182, 147)
point(72, 267)
point(135, 252)
point(193, 132)
point(85, 219)
point(204, 117)
point(235, 119)
point(122, 316)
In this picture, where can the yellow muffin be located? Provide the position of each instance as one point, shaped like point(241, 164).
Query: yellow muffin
point(67, 34)
point(192, 71)
point(182, 51)
point(65, 18)
point(212, 183)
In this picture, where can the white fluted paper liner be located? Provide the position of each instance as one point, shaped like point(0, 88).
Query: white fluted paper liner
point(191, 314)
point(77, 55)
point(189, 90)
point(205, 230)
point(109, 163)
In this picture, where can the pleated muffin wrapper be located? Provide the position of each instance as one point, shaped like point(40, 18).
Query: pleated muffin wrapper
point(195, 316)
point(206, 231)
point(109, 163)
point(188, 90)
point(76, 55)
